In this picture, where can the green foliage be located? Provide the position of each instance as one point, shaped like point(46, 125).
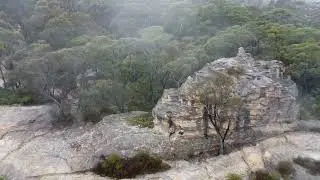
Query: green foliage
point(2, 178)
point(8, 97)
point(233, 176)
point(309, 106)
point(226, 43)
point(181, 20)
point(143, 121)
point(61, 29)
point(155, 34)
point(118, 167)
point(304, 65)
point(221, 14)
point(79, 40)
point(106, 97)
point(138, 49)
point(281, 16)
point(218, 94)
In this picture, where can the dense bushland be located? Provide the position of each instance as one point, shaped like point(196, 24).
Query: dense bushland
point(118, 56)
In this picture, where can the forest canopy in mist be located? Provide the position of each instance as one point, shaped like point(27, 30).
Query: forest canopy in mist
point(119, 55)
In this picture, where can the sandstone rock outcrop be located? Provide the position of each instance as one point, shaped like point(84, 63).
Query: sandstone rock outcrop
point(266, 154)
point(31, 148)
point(269, 97)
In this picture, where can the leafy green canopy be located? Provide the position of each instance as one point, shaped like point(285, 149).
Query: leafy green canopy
point(119, 56)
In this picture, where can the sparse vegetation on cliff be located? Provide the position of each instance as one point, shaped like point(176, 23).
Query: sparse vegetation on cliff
point(143, 121)
point(119, 167)
point(233, 176)
point(265, 175)
point(236, 71)
point(220, 107)
point(285, 168)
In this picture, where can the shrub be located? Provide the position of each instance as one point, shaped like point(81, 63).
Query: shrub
point(2, 178)
point(145, 120)
point(233, 176)
point(93, 106)
point(285, 168)
point(8, 97)
point(91, 115)
point(115, 166)
point(264, 175)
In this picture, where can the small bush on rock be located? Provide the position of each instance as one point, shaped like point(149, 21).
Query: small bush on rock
point(115, 166)
point(285, 168)
point(236, 71)
point(145, 120)
point(93, 107)
point(233, 176)
point(264, 175)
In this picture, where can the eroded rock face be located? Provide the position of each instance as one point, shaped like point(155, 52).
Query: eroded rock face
point(269, 97)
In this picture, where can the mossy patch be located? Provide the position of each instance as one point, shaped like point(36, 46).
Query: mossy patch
point(233, 176)
point(118, 167)
point(143, 121)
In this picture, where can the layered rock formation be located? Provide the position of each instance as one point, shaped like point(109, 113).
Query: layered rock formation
point(269, 98)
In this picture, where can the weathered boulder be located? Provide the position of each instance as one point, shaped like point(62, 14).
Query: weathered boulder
point(269, 99)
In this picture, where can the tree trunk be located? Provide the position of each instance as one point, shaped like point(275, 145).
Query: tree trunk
point(2, 76)
point(205, 122)
point(222, 147)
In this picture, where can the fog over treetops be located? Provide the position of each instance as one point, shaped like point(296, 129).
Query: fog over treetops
point(118, 56)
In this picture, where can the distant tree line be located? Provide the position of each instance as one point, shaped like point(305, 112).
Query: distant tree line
point(88, 49)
